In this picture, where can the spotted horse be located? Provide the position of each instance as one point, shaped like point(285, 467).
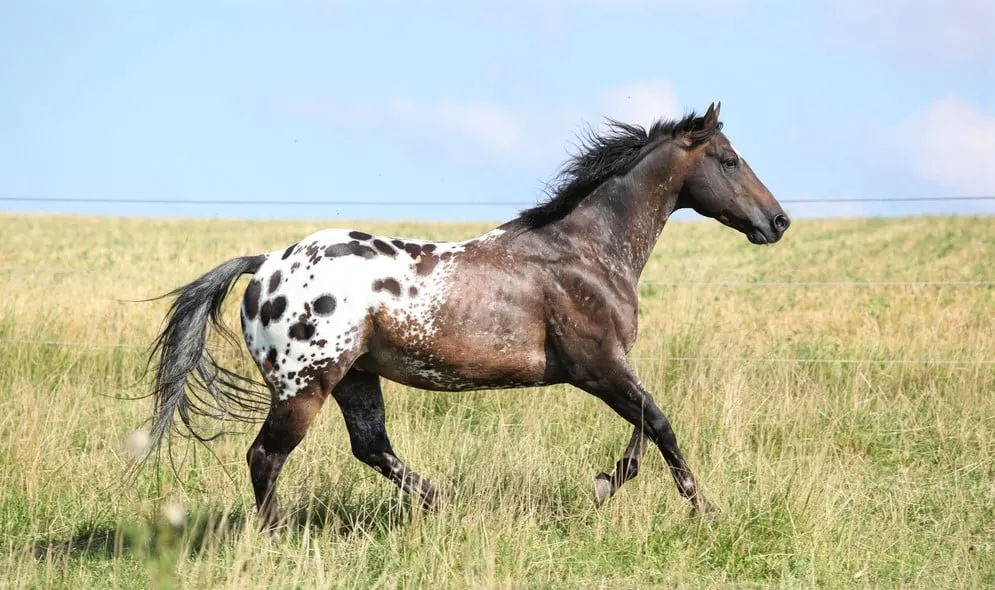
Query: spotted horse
point(548, 297)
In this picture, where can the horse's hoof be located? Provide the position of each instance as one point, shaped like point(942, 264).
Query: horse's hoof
point(602, 488)
point(704, 510)
point(432, 500)
point(270, 522)
point(272, 529)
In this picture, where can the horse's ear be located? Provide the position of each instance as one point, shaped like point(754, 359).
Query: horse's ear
point(703, 128)
point(712, 115)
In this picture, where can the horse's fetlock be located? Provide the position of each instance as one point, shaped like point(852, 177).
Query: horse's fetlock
point(628, 468)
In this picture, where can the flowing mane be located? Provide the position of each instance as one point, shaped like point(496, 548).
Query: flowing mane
point(601, 156)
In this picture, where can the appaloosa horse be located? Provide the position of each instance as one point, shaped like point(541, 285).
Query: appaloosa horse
point(548, 297)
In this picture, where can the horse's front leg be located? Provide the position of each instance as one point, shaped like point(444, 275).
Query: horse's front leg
point(619, 387)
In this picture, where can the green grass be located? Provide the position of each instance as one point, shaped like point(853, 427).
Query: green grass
point(826, 474)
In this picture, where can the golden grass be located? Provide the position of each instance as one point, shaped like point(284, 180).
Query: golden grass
point(827, 474)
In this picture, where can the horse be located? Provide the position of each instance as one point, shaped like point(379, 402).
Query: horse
point(546, 298)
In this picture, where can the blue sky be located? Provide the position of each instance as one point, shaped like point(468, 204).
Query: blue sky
point(482, 101)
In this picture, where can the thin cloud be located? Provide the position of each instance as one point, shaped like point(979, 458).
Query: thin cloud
point(534, 134)
point(952, 142)
point(448, 122)
point(641, 102)
point(497, 128)
point(925, 29)
point(530, 133)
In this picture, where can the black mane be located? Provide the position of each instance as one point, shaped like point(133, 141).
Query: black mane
point(601, 157)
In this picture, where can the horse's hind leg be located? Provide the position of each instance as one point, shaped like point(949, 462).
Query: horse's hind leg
point(285, 426)
point(626, 468)
point(283, 430)
point(361, 401)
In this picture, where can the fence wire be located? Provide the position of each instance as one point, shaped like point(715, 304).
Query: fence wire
point(481, 203)
point(746, 284)
point(679, 359)
point(672, 284)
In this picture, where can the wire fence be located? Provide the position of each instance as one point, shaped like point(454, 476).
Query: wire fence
point(745, 284)
point(274, 202)
point(672, 284)
point(477, 203)
point(679, 359)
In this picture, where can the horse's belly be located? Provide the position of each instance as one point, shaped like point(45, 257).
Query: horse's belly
point(469, 367)
point(466, 337)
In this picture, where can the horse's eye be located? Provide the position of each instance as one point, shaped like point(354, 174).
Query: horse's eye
point(730, 163)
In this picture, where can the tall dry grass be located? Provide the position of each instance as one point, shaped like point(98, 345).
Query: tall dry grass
point(826, 474)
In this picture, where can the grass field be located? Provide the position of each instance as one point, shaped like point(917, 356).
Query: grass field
point(826, 474)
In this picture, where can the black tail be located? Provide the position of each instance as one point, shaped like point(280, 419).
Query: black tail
point(187, 378)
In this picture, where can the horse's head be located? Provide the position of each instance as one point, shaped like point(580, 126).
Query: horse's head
point(721, 185)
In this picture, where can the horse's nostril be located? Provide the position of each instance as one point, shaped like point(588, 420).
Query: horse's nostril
point(781, 222)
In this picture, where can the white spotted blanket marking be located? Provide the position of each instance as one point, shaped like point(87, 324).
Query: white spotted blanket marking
point(307, 307)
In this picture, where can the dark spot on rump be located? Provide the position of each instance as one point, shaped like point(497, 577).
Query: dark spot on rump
point(324, 305)
point(270, 363)
point(361, 250)
point(313, 252)
point(295, 266)
point(279, 306)
point(274, 281)
point(412, 291)
point(252, 299)
point(337, 250)
point(426, 264)
point(264, 313)
point(388, 284)
point(428, 248)
point(446, 255)
point(288, 251)
point(398, 243)
point(319, 343)
point(413, 250)
point(384, 248)
point(359, 235)
point(302, 330)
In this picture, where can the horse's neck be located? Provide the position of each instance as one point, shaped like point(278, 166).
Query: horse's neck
point(625, 216)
